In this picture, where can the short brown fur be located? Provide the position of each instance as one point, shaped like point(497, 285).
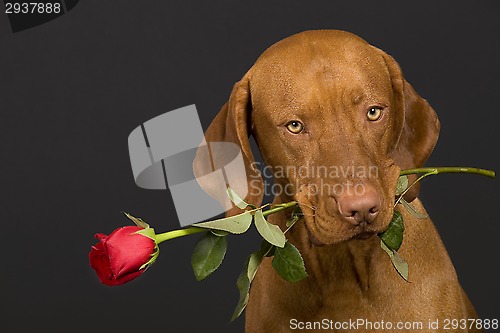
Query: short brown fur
point(327, 80)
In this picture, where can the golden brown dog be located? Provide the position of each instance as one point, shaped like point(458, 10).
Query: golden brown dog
point(329, 99)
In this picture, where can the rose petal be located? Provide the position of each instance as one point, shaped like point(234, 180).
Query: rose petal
point(118, 257)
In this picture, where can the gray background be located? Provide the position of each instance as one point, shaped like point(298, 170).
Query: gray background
point(74, 88)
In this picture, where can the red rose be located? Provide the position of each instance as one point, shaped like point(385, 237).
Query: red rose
point(123, 255)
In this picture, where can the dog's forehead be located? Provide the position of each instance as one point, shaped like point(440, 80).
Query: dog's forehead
point(320, 63)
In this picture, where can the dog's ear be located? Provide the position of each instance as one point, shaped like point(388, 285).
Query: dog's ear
point(420, 130)
point(417, 122)
point(232, 124)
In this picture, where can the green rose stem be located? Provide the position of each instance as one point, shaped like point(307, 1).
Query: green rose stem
point(277, 208)
point(424, 172)
point(435, 171)
point(177, 233)
point(194, 230)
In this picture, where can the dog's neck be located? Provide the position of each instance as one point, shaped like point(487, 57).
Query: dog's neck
point(348, 264)
point(344, 266)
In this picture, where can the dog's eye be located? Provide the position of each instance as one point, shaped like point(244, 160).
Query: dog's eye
point(374, 113)
point(295, 127)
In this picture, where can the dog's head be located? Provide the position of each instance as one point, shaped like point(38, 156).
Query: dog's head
point(335, 121)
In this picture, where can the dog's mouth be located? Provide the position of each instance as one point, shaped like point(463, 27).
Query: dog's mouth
point(318, 236)
point(323, 228)
point(328, 224)
point(313, 239)
point(365, 235)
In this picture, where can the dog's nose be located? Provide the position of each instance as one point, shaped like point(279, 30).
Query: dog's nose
point(359, 207)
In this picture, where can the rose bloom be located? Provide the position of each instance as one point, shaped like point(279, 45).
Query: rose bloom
point(121, 256)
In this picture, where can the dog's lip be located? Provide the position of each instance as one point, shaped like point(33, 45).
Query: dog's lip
point(360, 232)
point(365, 234)
point(313, 239)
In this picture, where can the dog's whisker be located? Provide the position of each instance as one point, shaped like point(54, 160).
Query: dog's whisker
point(312, 207)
